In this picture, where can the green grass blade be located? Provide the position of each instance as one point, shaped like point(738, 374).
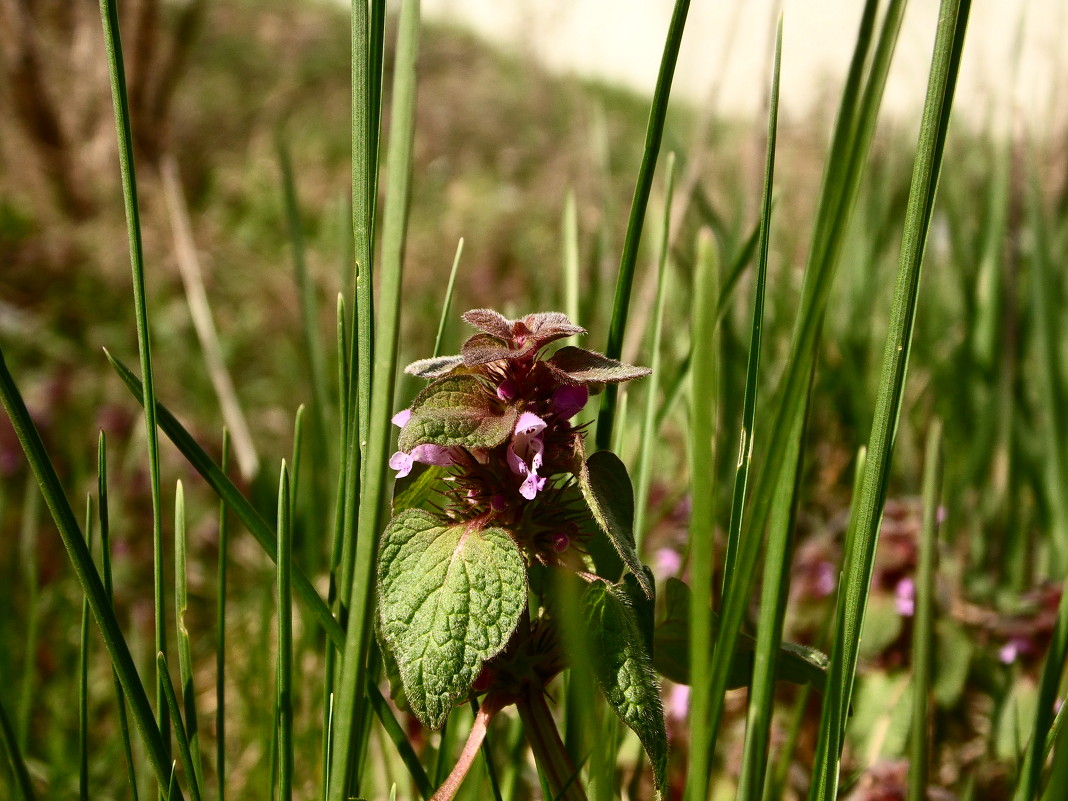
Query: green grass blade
point(250, 518)
point(446, 304)
point(83, 673)
point(28, 547)
point(179, 728)
point(185, 655)
point(14, 756)
point(569, 262)
point(284, 690)
point(923, 621)
point(860, 556)
point(117, 72)
point(225, 489)
point(704, 391)
point(349, 737)
point(849, 149)
point(745, 445)
point(399, 738)
point(643, 475)
point(105, 567)
point(643, 185)
point(99, 602)
point(777, 557)
point(220, 632)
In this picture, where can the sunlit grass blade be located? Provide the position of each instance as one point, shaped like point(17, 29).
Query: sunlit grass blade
point(220, 632)
point(643, 474)
point(349, 736)
point(849, 149)
point(923, 620)
point(179, 729)
point(99, 602)
point(859, 559)
point(83, 673)
point(636, 220)
point(105, 569)
point(185, 655)
point(117, 72)
point(284, 684)
point(446, 304)
point(704, 398)
point(23, 784)
point(569, 262)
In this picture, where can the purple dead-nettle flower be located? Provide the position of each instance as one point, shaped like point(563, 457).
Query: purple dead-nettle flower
point(567, 401)
point(525, 453)
point(905, 597)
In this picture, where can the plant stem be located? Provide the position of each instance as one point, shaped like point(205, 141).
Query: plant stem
point(492, 705)
point(548, 748)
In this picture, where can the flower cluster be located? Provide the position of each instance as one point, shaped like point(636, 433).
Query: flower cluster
point(501, 414)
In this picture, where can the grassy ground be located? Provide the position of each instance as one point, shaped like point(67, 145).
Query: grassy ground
point(498, 146)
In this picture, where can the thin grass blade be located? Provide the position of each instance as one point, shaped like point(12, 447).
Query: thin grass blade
point(446, 304)
point(83, 673)
point(284, 587)
point(220, 632)
point(859, 559)
point(179, 729)
point(117, 72)
point(923, 621)
point(643, 185)
point(14, 756)
point(185, 654)
point(81, 560)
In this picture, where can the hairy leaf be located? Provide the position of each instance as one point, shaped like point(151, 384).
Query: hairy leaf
point(434, 368)
point(417, 488)
point(491, 322)
point(485, 348)
point(458, 410)
point(450, 597)
point(798, 664)
point(624, 671)
point(610, 496)
point(579, 366)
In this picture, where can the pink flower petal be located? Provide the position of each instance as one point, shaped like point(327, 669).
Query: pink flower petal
point(401, 418)
point(401, 462)
point(568, 401)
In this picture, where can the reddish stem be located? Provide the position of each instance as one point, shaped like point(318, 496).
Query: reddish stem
point(548, 748)
point(490, 707)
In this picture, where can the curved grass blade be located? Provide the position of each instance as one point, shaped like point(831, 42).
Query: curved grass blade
point(250, 518)
point(117, 72)
point(642, 187)
point(14, 757)
point(860, 556)
point(179, 729)
point(99, 602)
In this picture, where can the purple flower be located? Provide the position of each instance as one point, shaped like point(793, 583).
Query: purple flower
point(668, 561)
point(401, 418)
point(425, 454)
point(525, 453)
point(1014, 648)
point(905, 597)
point(560, 542)
point(826, 580)
point(507, 390)
point(568, 401)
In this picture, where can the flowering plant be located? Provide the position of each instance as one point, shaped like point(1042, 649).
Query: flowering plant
point(498, 515)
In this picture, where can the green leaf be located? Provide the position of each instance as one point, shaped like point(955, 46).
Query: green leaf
point(416, 489)
point(797, 664)
point(573, 365)
point(449, 599)
point(610, 496)
point(458, 410)
point(625, 672)
point(434, 368)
